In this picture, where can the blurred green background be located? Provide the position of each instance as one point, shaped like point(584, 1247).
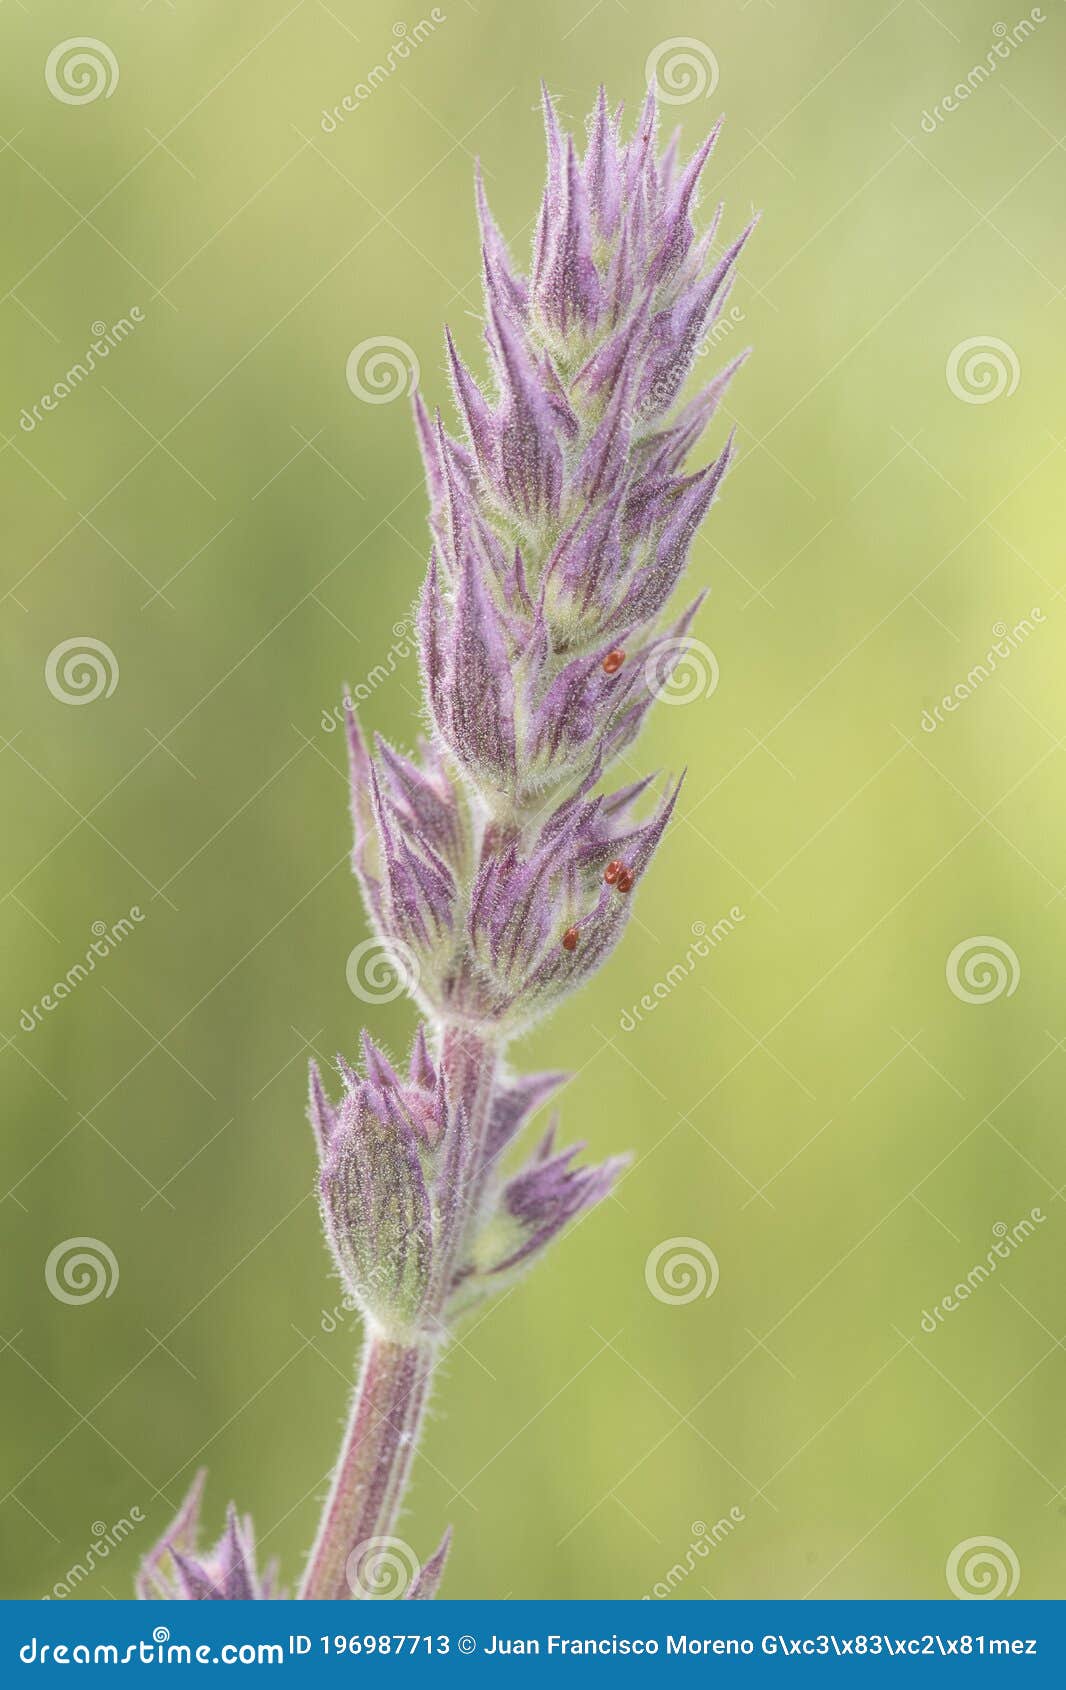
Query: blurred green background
point(812, 1103)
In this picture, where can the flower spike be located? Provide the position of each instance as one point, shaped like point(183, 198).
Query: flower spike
point(499, 859)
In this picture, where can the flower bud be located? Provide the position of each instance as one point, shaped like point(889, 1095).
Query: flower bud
point(379, 1174)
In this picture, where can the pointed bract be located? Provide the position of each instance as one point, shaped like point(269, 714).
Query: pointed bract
point(177, 1570)
point(426, 1583)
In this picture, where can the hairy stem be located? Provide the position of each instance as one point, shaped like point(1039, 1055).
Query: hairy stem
point(375, 1461)
point(381, 1438)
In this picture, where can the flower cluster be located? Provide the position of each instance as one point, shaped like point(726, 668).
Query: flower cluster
point(492, 862)
point(561, 521)
point(398, 1180)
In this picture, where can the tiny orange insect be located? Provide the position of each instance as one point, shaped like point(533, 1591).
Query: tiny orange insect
point(570, 939)
point(613, 661)
point(612, 871)
point(624, 882)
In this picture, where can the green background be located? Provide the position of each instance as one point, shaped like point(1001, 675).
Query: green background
point(813, 1104)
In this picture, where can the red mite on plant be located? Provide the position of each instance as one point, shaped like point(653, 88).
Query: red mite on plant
point(561, 523)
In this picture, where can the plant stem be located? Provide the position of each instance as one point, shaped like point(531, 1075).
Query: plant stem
point(381, 1438)
point(375, 1460)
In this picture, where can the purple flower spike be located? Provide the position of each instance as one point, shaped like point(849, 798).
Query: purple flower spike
point(497, 868)
point(564, 524)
